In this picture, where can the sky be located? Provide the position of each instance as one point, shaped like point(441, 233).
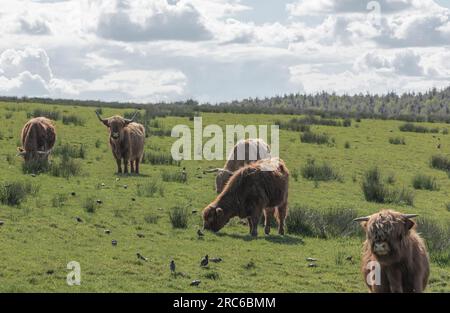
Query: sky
point(220, 50)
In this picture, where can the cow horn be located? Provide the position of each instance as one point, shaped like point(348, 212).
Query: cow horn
point(410, 215)
point(213, 170)
point(44, 152)
point(132, 119)
point(99, 117)
point(361, 219)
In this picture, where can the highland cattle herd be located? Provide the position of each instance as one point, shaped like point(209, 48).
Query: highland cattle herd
point(253, 183)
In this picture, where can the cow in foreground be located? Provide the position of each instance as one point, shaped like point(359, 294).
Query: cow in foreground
point(392, 241)
point(126, 139)
point(244, 152)
point(38, 138)
point(256, 188)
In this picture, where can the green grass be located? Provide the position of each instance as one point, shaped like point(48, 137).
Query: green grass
point(41, 235)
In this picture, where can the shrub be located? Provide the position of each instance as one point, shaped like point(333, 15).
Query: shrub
point(347, 122)
point(313, 223)
point(410, 127)
point(179, 176)
point(66, 168)
point(89, 205)
point(73, 119)
point(390, 179)
point(347, 145)
point(98, 143)
point(53, 115)
point(322, 172)
point(11, 159)
point(445, 131)
point(159, 158)
point(66, 150)
point(397, 141)
point(440, 162)
point(35, 166)
point(150, 189)
point(179, 217)
point(59, 200)
point(8, 115)
point(436, 237)
point(13, 193)
point(151, 219)
point(310, 137)
point(425, 182)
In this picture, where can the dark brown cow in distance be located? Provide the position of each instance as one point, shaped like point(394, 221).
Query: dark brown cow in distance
point(38, 138)
point(257, 187)
point(126, 139)
point(392, 241)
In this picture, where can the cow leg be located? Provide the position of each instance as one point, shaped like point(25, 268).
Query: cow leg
point(250, 224)
point(395, 280)
point(119, 166)
point(132, 166)
point(267, 214)
point(125, 165)
point(254, 229)
point(281, 212)
point(137, 166)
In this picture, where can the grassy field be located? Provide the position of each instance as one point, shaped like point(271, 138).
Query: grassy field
point(41, 234)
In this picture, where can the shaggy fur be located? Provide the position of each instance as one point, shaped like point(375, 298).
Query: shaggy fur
point(126, 139)
point(391, 240)
point(38, 138)
point(244, 152)
point(257, 187)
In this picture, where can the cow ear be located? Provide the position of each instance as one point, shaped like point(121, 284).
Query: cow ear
point(219, 212)
point(409, 224)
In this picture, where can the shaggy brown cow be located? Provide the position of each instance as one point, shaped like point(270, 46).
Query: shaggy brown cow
point(38, 138)
point(257, 187)
point(127, 141)
point(391, 240)
point(244, 152)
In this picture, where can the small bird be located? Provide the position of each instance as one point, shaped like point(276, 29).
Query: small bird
point(195, 282)
point(439, 146)
point(172, 267)
point(99, 201)
point(133, 199)
point(216, 260)
point(311, 259)
point(141, 257)
point(204, 262)
point(2, 223)
point(140, 235)
point(73, 193)
point(117, 179)
point(194, 211)
point(103, 184)
point(79, 220)
point(107, 231)
point(114, 242)
point(312, 265)
point(200, 233)
point(349, 258)
point(125, 186)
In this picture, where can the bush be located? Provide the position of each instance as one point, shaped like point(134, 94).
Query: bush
point(440, 162)
point(347, 145)
point(35, 166)
point(13, 193)
point(59, 200)
point(410, 127)
point(66, 168)
point(159, 158)
point(73, 119)
point(179, 217)
point(425, 182)
point(150, 189)
point(436, 237)
point(322, 172)
point(179, 176)
point(312, 223)
point(397, 141)
point(89, 205)
point(66, 150)
point(310, 137)
point(53, 115)
point(347, 122)
point(151, 219)
point(445, 131)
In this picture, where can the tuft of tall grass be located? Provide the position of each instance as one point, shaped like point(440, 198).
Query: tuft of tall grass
point(410, 127)
point(179, 217)
point(150, 189)
point(421, 181)
point(319, 172)
point(159, 158)
point(73, 119)
point(397, 141)
point(65, 167)
point(310, 137)
point(35, 166)
point(67, 150)
point(329, 224)
point(437, 239)
point(58, 200)
point(89, 205)
point(13, 193)
point(53, 115)
point(178, 176)
point(440, 162)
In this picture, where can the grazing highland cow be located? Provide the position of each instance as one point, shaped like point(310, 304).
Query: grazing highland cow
point(244, 152)
point(400, 252)
point(257, 187)
point(127, 141)
point(38, 138)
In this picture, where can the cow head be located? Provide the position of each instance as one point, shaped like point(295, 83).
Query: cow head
point(33, 155)
point(214, 218)
point(386, 231)
point(115, 124)
point(222, 177)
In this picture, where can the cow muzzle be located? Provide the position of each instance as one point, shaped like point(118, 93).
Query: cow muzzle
point(115, 136)
point(381, 248)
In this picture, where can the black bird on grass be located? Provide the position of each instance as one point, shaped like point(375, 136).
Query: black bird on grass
point(204, 262)
point(200, 233)
point(195, 282)
point(79, 220)
point(114, 242)
point(141, 257)
point(172, 267)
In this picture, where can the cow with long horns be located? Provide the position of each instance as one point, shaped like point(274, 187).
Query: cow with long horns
point(126, 139)
point(244, 152)
point(38, 138)
point(394, 248)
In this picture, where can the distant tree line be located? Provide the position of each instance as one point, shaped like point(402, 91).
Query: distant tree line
point(431, 106)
